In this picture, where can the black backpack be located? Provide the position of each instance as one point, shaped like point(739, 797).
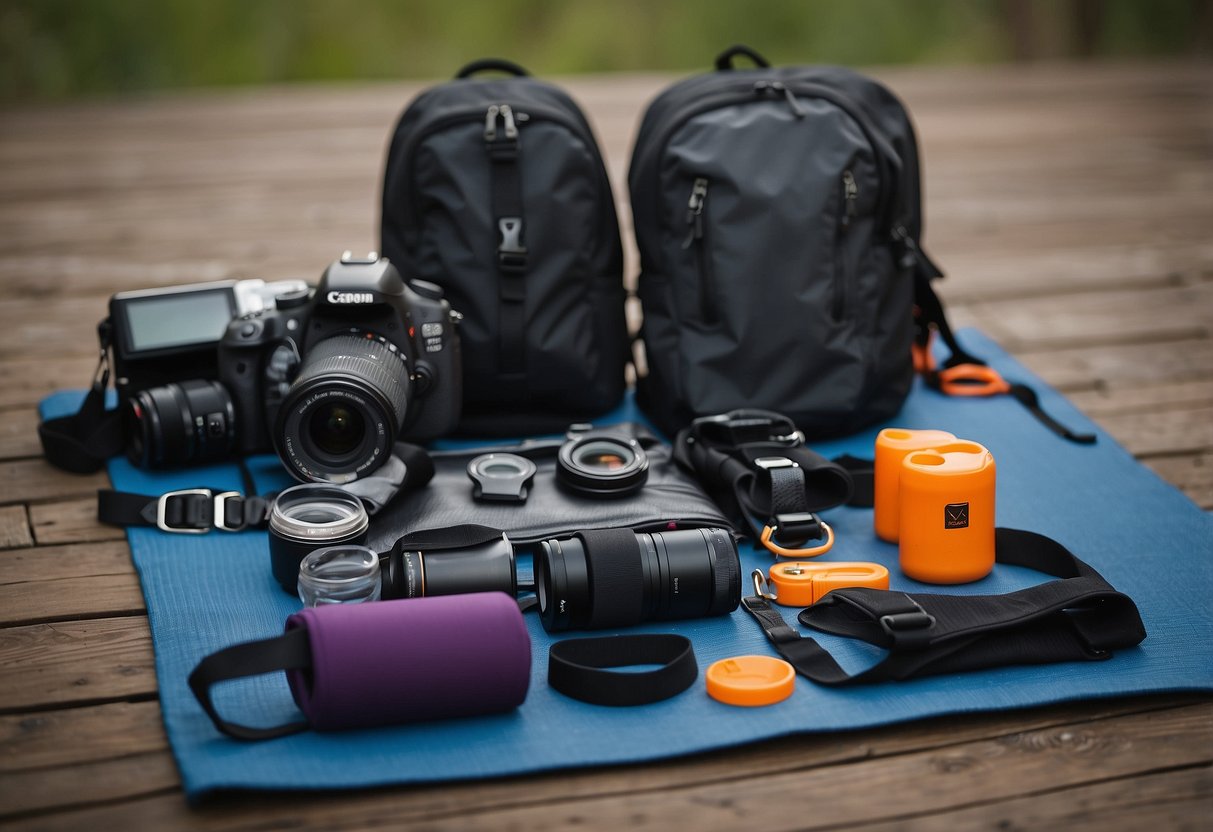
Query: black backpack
point(778, 217)
point(495, 190)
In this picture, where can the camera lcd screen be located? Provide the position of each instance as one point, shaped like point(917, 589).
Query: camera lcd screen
point(175, 320)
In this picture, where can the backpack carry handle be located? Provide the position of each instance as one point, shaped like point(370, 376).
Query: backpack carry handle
point(724, 60)
point(491, 65)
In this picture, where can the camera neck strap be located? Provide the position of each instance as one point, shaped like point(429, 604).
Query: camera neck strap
point(82, 442)
point(1080, 617)
point(756, 460)
point(198, 510)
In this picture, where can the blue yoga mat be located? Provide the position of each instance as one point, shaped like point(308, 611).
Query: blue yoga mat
point(205, 592)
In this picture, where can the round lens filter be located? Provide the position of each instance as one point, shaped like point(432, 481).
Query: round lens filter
point(602, 464)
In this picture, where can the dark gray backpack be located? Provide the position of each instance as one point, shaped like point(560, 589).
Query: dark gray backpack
point(777, 212)
point(495, 190)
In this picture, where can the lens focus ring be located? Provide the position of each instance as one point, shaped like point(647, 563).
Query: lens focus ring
point(368, 359)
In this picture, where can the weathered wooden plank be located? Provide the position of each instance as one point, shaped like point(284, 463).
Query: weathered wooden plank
point(1169, 314)
point(79, 735)
point(731, 791)
point(1121, 365)
point(26, 480)
point(1193, 474)
point(1174, 800)
point(1186, 431)
point(71, 521)
point(1145, 398)
point(85, 783)
point(75, 661)
point(26, 381)
point(14, 528)
point(19, 433)
point(69, 597)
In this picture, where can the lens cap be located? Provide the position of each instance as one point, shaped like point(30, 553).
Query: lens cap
point(501, 477)
point(600, 463)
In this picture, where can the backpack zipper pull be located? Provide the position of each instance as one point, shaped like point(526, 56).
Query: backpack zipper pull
point(699, 193)
point(506, 113)
point(779, 88)
point(490, 122)
point(850, 197)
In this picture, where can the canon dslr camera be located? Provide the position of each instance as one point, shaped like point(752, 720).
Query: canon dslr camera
point(329, 379)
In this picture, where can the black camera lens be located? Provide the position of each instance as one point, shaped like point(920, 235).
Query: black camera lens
point(488, 567)
point(602, 464)
point(618, 578)
point(336, 429)
point(342, 413)
point(179, 424)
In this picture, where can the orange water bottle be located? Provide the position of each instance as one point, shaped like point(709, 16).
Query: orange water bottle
point(946, 510)
point(892, 445)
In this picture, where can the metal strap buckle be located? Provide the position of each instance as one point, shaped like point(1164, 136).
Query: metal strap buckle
point(220, 518)
point(771, 463)
point(162, 511)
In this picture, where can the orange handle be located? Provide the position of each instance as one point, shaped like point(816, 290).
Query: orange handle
point(972, 380)
point(812, 552)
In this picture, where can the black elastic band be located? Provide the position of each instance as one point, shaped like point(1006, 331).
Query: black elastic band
point(1080, 617)
point(576, 668)
point(290, 651)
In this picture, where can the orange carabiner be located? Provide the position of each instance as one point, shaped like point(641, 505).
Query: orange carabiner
point(780, 552)
point(972, 380)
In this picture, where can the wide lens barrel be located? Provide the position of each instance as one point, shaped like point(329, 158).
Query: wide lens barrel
point(179, 424)
point(615, 578)
point(342, 413)
point(488, 567)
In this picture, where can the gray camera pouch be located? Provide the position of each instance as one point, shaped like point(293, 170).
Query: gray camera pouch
point(669, 498)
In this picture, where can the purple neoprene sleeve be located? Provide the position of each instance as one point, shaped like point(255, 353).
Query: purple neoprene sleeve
point(390, 662)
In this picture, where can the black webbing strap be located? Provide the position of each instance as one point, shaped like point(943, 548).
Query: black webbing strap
point(579, 668)
point(931, 317)
point(501, 143)
point(187, 510)
point(289, 651)
point(1078, 618)
point(756, 463)
point(82, 442)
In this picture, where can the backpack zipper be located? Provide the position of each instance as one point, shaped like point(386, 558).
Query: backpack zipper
point(850, 198)
point(779, 88)
point(742, 93)
point(703, 257)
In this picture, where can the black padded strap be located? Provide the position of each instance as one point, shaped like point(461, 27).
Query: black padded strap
point(289, 651)
point(509, 226)
point(82, 442)
point(1077, 618)
point(756, 463)
point(578, 668)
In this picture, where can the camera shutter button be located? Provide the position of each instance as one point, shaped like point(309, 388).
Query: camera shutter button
point(250, 330)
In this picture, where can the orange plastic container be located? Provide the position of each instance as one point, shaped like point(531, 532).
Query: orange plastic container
point(892, 445)
point(947, 513)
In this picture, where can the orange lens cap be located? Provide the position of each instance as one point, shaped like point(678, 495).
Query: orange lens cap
point(751, 680)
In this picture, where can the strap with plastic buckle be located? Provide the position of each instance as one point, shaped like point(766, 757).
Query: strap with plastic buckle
point(185, 511)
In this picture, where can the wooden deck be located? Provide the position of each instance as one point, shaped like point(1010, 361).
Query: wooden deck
point(1071, 205)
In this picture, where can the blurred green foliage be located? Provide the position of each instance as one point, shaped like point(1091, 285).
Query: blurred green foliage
point(63, 48)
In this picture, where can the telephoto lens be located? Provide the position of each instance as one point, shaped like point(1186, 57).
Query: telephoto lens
point(178, 424)
point(618, 578)
point(309, 517)
point(413, 573)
